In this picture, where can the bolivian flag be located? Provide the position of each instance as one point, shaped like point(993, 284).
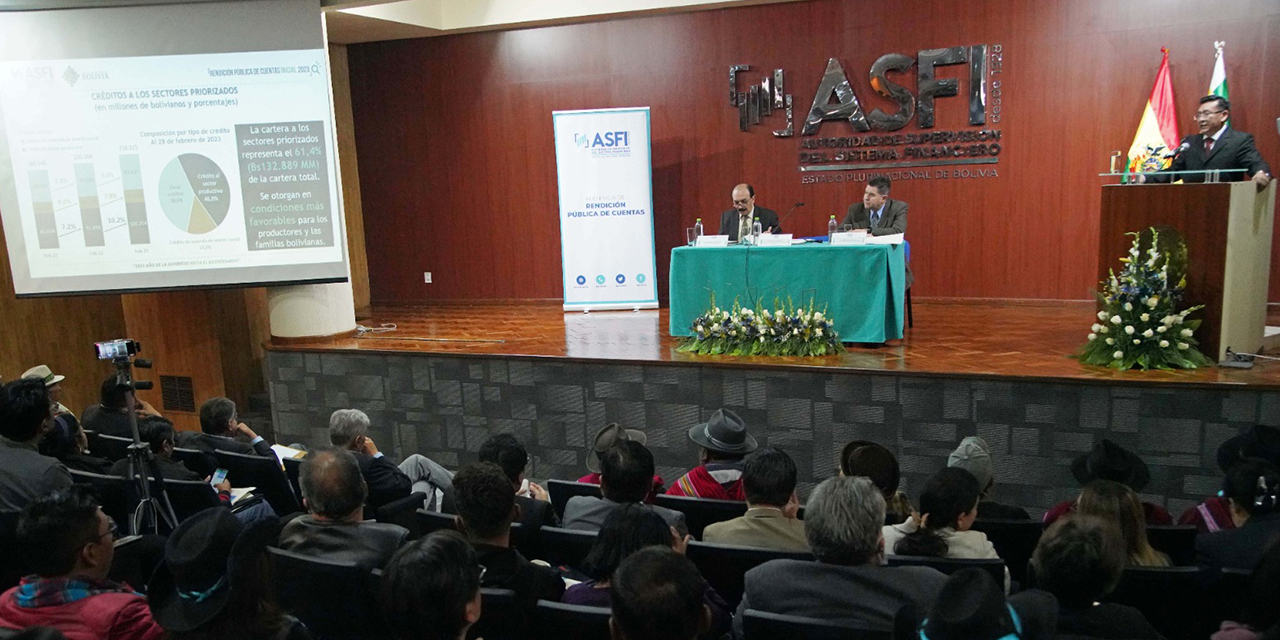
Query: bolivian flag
point(1157, 136)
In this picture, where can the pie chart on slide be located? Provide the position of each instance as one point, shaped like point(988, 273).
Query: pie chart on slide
point(194, 193)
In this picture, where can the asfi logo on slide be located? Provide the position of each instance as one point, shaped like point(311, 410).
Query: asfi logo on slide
point(605, 144)
point(581, 280)
point(620, 278)
point(599, 279)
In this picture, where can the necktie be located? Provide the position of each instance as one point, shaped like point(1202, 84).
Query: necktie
point(744, 226)
point(875, 218)
point(1208, 146)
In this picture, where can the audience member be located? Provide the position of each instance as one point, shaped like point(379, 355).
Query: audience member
point(1117, 503)
point(69, 543)
point(605, 439)
point(873, 461)
point(486, 508)
point(724, 441)
point(1252, 487)
point(506, 451)
point(1260, 612)
point(53, 383)
point(214, 582)
point(656, 595)
point(25, 474)
point(628, 529)
point(221, 431)
point(1214, 514)
point(349, 429)
point(948, 507)
point(849, 583)
point(111, 415)
point(1110, 461)
point(334, 527)
point(69, 444)
point(431, 588)
point(1079, 560)
point(769, 481)
point(159, 435)
point(626, 470)
point(971, 606)
point(974, 456)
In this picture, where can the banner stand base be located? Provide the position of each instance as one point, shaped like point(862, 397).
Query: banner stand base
point(611, 306)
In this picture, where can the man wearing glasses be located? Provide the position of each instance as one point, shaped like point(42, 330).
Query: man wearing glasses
point(1217, 146)
point(736, 222)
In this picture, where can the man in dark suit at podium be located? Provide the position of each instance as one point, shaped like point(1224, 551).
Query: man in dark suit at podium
point(1217, 146)
point(737, 221)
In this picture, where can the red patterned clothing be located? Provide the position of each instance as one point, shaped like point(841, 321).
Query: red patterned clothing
point(714, 481)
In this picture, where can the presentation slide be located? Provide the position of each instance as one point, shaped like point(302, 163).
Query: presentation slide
point(162, 171)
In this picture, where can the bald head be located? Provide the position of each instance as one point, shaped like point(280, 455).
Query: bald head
point(331, 484)
point(744, 197)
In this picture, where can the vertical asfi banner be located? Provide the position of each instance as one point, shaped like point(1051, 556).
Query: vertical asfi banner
point(606, 208)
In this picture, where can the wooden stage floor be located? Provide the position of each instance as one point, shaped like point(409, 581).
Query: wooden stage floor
point(972, 340)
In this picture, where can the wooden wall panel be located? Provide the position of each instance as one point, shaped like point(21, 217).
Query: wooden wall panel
point(180, 334)
point(457, 164)
point(353, 212)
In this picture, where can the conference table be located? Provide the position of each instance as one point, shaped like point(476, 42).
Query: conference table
point(861, 287)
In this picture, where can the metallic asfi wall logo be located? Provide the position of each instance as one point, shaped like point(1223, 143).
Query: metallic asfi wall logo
point(606, 144)
point(885, 143)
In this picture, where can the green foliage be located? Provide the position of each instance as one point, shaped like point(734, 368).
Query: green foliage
point(745, 331)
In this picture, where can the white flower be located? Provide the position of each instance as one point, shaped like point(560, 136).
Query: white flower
point(1161, 329)
point(1117, 355)
point(1186, 333)
point(1103, 315)
point(1137, 341)
point(818, 332)
point(1115, 320)
point(1128, 306)
point(1164, 344)
point(1092, 337)
point(1142, 301)
point(1178, 318)
point(748, 313)
point(698, 328)
point(1148, 333)
point(1153, 301)
point(1111, 341)
point(761, 338)
point(1129, 329)
point(1146, 317)
point(1104, 329)
point(734, 332)
point(725, 315)
point(817, 315)
point(778, 313)
point(1096, 327)
point(773, 332)
point(1168, 319)
point(765, 313)
point(1183, 346)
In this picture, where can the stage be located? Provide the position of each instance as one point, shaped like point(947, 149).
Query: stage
point(449, 375)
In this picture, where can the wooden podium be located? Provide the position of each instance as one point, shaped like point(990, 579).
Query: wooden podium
point(1227, 228)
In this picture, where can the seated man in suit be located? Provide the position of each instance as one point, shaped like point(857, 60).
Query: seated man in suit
point(848, 585)
point(486, 508)
point(1217, 146)
point(159, 435)
point(737, 221)
point(769, 480)
point(505, 450)
point(349, 429)
point(878, 214)
point(334, 527)
point(725, 442)
point(110, 417)
point(626, 475)
point(220, 431)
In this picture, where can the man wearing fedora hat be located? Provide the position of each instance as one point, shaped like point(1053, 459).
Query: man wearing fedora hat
point(1110, 461)
point(725, 442)
point(605, 439)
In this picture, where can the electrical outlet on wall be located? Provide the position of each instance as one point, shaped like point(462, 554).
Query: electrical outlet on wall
point(426, 277)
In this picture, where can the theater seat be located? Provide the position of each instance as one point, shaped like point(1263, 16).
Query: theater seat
point(196, 460)
point(116, 495)
point(500, 617)
point(761, 625)
point(1176, 541)
point(293, 471)
point(700, 512)
point(1171, 598)
point(558, 621)
point(951, 565)
point(561, 490)
point(188, 497)
point(336, 600)
point(724, 566)
point(400, 511)
point(112, 447)
point(566, 547)
point(1014, 540)
point(264, 473)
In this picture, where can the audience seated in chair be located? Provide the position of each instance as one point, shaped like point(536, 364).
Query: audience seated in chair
point(974, 456)
point(948, 507)
point(657, 594)
point(53, 384)
point(972, 606)
point(627, 530)
point(25, 474)
point(626, 473)
point(221, 431)
point(1080, 559)
point(724, 441)
point(605, 439)
point(848, 584)
point(1253, 489)
point(159, 435)
point(1260, 612)
point(1115, 502)
point(431, 588)
point(873, 461)
point(69, 543)
point(214, 582)
point(506, 451)
point(69, 444)
point(334, 528)
point(1110, 461)
point(349, 429)
point(1214, 514)
point(486, 508)
point(110, 417)
point(769, 482)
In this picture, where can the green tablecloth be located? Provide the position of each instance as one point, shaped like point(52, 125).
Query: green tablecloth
point(861, 286)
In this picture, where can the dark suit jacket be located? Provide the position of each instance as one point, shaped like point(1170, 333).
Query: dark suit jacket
point(536, 514)
point(368, 544)
point(768, 221)
point(170, 468)
point(1233, 150)
point(587, 513)
point(1238, 548)
point(505, 568)
point(207, 443)
point(386, 481)
point(892, 220)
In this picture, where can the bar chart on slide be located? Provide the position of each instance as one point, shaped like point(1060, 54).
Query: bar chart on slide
point(89, 206)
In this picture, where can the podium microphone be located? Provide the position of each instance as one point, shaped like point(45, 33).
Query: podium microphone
point(1186, 144)
point(791, 211)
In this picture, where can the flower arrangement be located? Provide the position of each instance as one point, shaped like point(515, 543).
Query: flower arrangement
point(1139, 325)
point(752, 331)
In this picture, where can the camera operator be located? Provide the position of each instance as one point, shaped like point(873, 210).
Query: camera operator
point(111, 415)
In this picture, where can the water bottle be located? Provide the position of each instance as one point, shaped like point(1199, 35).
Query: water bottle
point(697, 230)
point(831, 228)
point(756, 230)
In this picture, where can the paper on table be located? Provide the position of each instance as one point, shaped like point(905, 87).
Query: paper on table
point(896, 238)
point(283, 452)
point(775, 240)
point(712, 241)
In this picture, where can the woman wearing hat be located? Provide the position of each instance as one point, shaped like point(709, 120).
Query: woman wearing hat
point(605, 439)
point(725, 442)
point(1214, 514)
point(1110, 461)
point(873, 461)
point(213, 582)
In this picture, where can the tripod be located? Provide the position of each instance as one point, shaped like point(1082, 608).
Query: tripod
point(151, 508)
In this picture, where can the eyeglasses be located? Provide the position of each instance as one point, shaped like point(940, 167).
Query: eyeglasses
point(113, 530)
point(742, 201)
point(1206, 114)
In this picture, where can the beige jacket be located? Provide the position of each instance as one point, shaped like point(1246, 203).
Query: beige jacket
point(760, 527)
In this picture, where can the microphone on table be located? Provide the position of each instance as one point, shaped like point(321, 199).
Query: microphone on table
point(789, 212)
